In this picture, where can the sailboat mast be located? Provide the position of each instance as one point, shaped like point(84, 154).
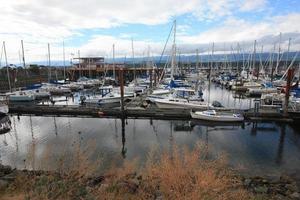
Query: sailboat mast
point(64, 60)
point(254, 57)
point(287, 54)
point(209, 75)
point(49, 64)
point(114, 66)
point(278, 55)
point(133, 63)
point(197, 60)
point(7, 70)
point(23, 60)
point(173, 62)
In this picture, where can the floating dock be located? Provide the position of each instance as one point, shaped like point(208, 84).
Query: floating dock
point(139, 112)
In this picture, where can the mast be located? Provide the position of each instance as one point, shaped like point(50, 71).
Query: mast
point(79, 65)
point(254, 57)
point(209, 75)
point(278, 55)
point(197, 61)
point(23, 60)
point(114, 66)
point(288, 51)
point(64, 60)
point(49, 64)
point(173, 62)
point(271, 63)
point(7, 70)
point(133, 63)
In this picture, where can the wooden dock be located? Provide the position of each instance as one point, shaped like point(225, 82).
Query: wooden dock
point(138, 112)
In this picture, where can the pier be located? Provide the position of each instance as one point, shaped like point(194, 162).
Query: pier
point(151, 112)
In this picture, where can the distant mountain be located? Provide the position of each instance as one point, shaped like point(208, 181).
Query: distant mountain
point(189, 58)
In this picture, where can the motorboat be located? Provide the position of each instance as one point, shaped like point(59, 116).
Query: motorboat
point(172, 102)
point(212, 115)
point(21, 96)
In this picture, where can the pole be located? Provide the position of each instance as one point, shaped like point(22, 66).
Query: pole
point(121, 80)
point(23, 60)
point(64, 58)
point(133, 63)
point(287, 93)
point(114, 66)
point(7, 70)
point(197, 60)
point(49, 64)
point(287, 54)
point(173, 62)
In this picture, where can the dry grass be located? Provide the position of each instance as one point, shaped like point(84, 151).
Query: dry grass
point(180, 174)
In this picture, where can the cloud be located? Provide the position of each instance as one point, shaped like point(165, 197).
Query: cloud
point(39, 22)
point(238, 30)
point(252, 5)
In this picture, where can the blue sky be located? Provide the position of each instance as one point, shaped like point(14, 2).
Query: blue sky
point(93, 26)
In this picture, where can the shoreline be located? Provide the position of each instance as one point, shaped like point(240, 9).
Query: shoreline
point(271, 187)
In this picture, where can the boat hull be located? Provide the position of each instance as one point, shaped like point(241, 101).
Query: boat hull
point(216, 118)
point(164, 103)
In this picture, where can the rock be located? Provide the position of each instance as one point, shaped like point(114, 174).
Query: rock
point(291, 187)
point(295, 195)
point(128, 186)
point(285, 179)
point(9, 177)
point(3, 184)
point(96, 181)
point(5, 169)
point(261, 189)
point(247, 182)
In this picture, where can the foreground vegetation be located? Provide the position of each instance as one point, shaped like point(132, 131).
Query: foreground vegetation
point(180, 174)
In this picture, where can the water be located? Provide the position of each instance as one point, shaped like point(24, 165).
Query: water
point(252, 148)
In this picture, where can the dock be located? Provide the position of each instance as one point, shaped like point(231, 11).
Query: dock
point(140, 112)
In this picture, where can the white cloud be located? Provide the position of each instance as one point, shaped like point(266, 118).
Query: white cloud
point(251, 5)
point(238, 30)
point(38, 22)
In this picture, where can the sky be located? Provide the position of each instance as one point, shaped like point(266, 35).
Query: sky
point(91, 27)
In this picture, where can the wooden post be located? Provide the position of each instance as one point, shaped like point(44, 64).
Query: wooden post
point(287, 92)
point(121, 80)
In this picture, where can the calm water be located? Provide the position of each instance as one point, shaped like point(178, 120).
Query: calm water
point(255, 148)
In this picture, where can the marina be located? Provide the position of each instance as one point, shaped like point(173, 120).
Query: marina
point(231, 107)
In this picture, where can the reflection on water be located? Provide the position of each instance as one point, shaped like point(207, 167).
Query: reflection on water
point(265, 147)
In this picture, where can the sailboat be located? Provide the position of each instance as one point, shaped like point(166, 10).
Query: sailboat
point(212, 115)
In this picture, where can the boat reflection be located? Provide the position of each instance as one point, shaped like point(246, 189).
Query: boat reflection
point(216, 124)
point(5, 124)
